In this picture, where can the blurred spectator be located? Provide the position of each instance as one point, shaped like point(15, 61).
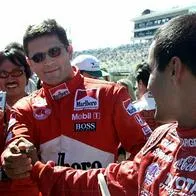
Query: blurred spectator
point(14, 75)
point(142, 74)
point(88, 65)
point(31, 86)
point(105, 74)
point(145, 103)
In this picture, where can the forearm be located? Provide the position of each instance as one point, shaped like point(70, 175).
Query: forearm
point(65, 180)
point(68, 181)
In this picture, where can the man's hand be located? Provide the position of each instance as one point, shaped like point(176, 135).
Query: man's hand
point(18, 158)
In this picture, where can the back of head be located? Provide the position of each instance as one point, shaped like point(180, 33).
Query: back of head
point(14, 53)
point(142, 73)
point(47, 27)
point(176, 38)
point(89, 64)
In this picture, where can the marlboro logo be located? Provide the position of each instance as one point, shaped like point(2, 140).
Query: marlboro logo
point(86, 99)
point(59, 91)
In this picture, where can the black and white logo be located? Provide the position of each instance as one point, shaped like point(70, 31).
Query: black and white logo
point(85, 126)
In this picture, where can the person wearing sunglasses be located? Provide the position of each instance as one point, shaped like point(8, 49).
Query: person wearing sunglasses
point(72, 120)
point(14, 75)
point(166, 165)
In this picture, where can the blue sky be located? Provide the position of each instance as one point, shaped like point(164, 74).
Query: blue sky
point(90, 23)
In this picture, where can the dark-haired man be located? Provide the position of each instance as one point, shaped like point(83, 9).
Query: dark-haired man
point(166, 165)
point(72, 120)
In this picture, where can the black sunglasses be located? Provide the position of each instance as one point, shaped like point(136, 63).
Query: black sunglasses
point(52, 52)
point(13, 73)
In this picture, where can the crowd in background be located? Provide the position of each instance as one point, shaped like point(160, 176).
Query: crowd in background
point(120, 58)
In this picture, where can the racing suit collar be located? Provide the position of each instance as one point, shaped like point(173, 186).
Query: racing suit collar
point(186, 133)
point(61, 90)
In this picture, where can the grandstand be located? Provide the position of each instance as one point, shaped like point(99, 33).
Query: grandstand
point(121, 61)
point(146, 25)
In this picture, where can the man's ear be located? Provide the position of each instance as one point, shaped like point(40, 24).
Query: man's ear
point(70, 51)
point(176, 69)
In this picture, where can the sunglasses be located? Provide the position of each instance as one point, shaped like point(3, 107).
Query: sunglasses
point(13, 73)
point(52, 52)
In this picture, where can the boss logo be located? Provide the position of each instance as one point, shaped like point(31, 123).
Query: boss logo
point(87, 126)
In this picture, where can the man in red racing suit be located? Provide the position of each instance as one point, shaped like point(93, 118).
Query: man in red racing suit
point(83, 127)
point(166, 165)
point(72, 120)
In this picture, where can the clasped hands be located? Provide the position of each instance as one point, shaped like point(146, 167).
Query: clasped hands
point(18, 158)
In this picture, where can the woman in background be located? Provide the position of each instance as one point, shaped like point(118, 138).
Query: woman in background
point(14, 76)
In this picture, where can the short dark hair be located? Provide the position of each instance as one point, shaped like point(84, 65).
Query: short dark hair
point(14, 52)
point(47, 27)
point(142, 73)
point(176, 38)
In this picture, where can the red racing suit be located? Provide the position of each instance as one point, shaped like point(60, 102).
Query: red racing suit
point(166, 165)
point(79, 123)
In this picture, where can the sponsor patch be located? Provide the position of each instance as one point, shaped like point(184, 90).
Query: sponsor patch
point(187, 142)
point(59, 91)
point(139, 120)
point(147, 131)
point(187, 164)
point(41, 113)
point(86, 99)
point(85, 126)
point(163, 156)
point(40, 110)
point(152, 172)
point(86, 116)
point(129, 107)
point(179, 184)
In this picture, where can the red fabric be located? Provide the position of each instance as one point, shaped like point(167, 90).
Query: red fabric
point(22, 187)
point(164, 166)
point(79, 123)
point(14, 187)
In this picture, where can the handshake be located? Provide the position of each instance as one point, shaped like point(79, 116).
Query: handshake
point(18, 158)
